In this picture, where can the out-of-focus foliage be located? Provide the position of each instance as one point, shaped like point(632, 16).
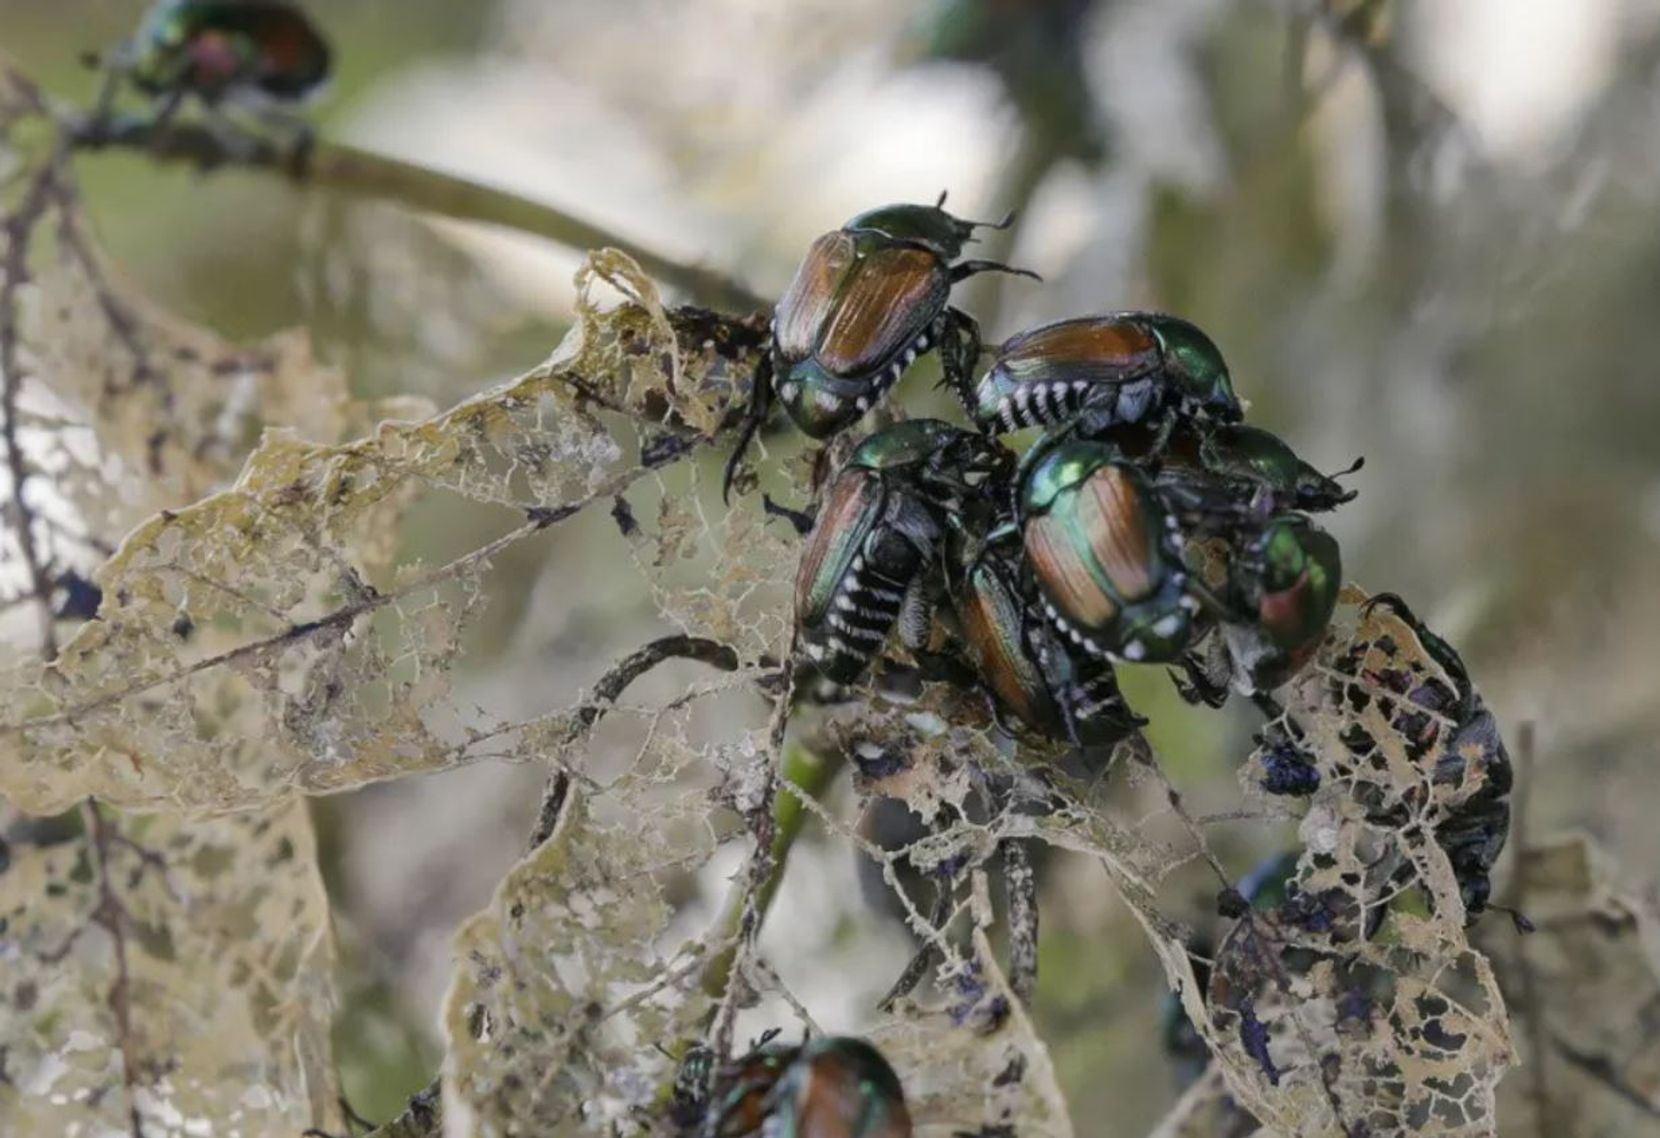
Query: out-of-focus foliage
point(1584, 989)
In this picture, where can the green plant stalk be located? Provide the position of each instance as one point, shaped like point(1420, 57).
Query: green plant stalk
point(806, 770)
point(362, 173)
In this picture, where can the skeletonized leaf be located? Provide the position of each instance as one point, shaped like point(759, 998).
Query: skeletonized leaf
point(562, 989)
point(248, 646)
point(179, 975)
point(1586, 985)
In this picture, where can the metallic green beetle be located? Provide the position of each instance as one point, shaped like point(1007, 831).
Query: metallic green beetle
point(866, 302)
point(1253, 456)
point(1101, 371)
point(882, 524)
point(736, 1095)
point(1026, 666)
point(838, 1087)
point(829, 1087)
point(1104, 552)
point(256, 52)
point(1283, 585)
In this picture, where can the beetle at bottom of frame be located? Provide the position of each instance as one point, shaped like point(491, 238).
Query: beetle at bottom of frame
point(830, 1087)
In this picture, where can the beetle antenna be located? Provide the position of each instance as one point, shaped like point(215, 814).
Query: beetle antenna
point(1349, 469)
point(941, 203)
point(1006, 221)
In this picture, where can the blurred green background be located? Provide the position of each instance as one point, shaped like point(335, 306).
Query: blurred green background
point(1421, 232)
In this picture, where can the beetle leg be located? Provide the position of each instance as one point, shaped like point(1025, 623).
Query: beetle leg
point(760, 404)
point(1195, 686)
point(959, 348)
point(962, 270)
point(801, 520)
point(916, 614)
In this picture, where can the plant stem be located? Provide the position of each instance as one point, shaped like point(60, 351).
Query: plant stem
point(805, 770)
point(362, 173)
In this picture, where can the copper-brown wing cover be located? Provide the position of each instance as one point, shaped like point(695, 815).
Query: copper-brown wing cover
point(838, 533)
point(811, 296)
point(1065, 576)
point(888, 298)
point(1094, 546)
point(834, 1104)
point(1093, 349)
point(292, 56)
point(1110, 512)
point(985, 611)
point(757, 1073)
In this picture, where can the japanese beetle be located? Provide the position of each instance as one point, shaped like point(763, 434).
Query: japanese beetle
point(882, 524)
point(735, 1096)
point(838, 1087)
point(866, 302)
point(829, 1087)
point(259, 52)
point(1028, 669)
point(1253, 456)
point(1456, 723)
point(1284, 583)
point(1102, 370)
point(1104, 552)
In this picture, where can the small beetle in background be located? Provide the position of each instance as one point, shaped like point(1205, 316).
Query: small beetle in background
point(866, 302)
point(255, 53)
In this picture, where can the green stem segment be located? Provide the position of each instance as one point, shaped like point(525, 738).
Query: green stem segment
point(350, 170)
point(806, 770)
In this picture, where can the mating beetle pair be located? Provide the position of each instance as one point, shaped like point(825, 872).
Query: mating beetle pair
point(882, 526)
point(910, 498)
point(829, 1087)
point(1103, 537)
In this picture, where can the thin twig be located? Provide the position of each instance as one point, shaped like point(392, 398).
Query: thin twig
point(1533, 1008)
point(19, 232)
point(1602, 1069)
point(350, 170)
point(112, 916)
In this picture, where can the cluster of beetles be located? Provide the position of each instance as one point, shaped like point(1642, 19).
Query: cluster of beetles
point(1050, 566)
point(1147, 524)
